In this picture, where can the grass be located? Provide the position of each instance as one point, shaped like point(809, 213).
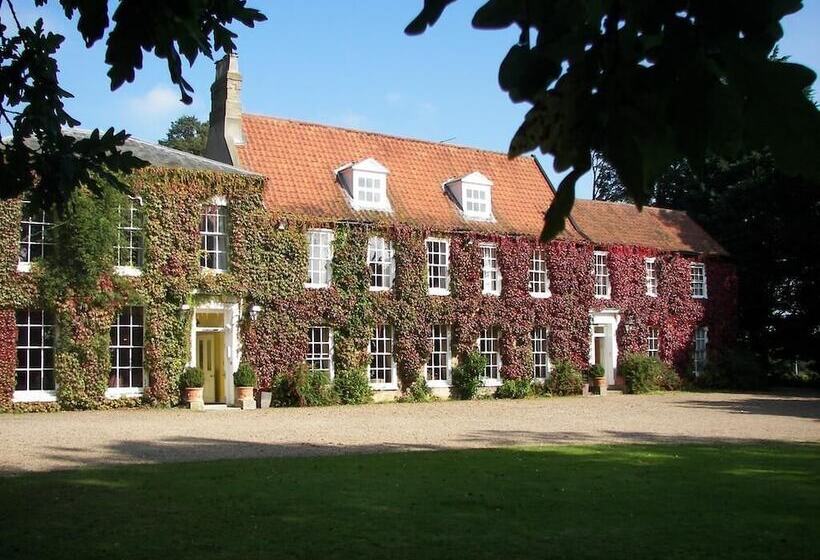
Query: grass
point(627, 501)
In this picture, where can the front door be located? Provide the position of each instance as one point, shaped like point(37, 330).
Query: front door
point(209, 351)
point(602, 349)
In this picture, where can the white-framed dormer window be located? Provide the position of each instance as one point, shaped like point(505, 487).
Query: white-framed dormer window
point(366, 185)
point(130, 248)
point(437, 370)
point(653, 342)
point(319, 356)
point(697, 279)
point(540, 353)
point(438, 266)
point(539, 282)
point(651, 276)
point(699, 354)
point(488, 346)
point(213, 235)
point(36, 236)
point(490, 273)
point(34, 371)
point(320, 258)
point(382, 369)
point(474, 194)
point(603, 289)
point(381, 264)
point(127, 341)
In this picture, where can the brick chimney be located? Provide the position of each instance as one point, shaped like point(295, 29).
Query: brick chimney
point(225, 120)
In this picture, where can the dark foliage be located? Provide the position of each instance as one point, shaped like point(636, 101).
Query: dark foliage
point(188, 134)
point(644, 374)
point(467, 376)
point(192, 378)
point(244, 376)
point(564, 379)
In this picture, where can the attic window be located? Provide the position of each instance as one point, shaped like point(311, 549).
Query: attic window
point(365, 183)
point(474, 194)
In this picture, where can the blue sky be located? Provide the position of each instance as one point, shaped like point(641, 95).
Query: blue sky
point(347, 63)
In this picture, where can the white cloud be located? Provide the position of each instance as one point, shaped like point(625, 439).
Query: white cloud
point(351, 119)
point(159, 101)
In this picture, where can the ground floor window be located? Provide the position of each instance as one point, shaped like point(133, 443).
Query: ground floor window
point(653, 342)
point(489, 348)
point(320, 349)
point(699, 355)
point(438, 366)
point(540, 353)
point(127, 350)
point(381, 355)
point(35, 350)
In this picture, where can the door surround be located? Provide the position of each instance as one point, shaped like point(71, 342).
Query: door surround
point(232, 354)
point(608, 319)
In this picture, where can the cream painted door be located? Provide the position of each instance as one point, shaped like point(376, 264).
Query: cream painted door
point(209, 361)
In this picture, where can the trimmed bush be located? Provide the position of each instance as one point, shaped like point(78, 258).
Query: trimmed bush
point(515, 389)
point(192, 378)
point(303, 387)
point(467, 376)
point(352, 386)
point(565, 379)
point(644, 374)
point(244, 376)
point(418, 391)
point(595, 371)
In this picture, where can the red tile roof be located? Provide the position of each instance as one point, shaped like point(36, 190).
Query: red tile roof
point(299, 160)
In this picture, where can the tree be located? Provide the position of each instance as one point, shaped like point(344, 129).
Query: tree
point(188, 134)
point(31, 99)
point(606, 185)
point(645, 83)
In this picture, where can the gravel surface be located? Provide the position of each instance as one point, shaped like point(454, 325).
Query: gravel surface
point(38, 442)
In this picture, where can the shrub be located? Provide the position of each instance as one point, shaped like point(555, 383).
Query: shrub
point(352, 386)
point(644, 374)
point(565, 379)
point(467, 376)
point(595, 371)
point(515, 389)
point(244, 376)
point(302, 387)
point(733, 368)
point(418, 391)
point(192, 378)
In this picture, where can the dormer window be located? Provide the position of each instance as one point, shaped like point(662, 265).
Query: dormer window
point(473, 193)
point(365, 183)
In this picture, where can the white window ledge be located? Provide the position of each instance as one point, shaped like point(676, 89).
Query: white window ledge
point(650, 294)
point(34, 396)
point(489, 382)
point(603, 297)
point(23, 267)
point(700, 297)
point(379, 289)
point(541, 295)
point(127, 271)
point(437, 292)
point(439, 384)
point(206, 270)
point(116, 393)
point(494, 293)
point(310, 286)
point(384, 386)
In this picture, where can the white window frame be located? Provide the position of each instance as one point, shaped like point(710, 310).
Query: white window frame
point(650, 267)
point(538, 275)
point(539, 347)
point(312, 357)
point(115, 347)
point(697, 280)
point(381, 263)
point(700, 342)
point(372, 185)
point(600, 264)
point(440, 332)
point(131, 220)
point(216, 207)
point(653, 342)
point(475, 196)
point(490, 271)
point(28, 222)
point(383, 344)
point(438, 279)
point(44, 348)
point(489, 346)
point(320, 258)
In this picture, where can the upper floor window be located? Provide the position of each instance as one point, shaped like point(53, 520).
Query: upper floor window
point(36, 238)
point(438, 266)
point(130, 247)
point(699, 354)
point(320, 257)
point(539, 282)
point(653, 342)
point(540, 353)
point(366, 185)
point(382, 364)
point(380, 262)
point(603, 288)
point(490, 274)
point(213, 234)
point(489, 347)
point(474, 193)
point(697, 275)
point(438, 365)
point(319, 355)
point(651, 272)
point(35, 353)
point(126, 348)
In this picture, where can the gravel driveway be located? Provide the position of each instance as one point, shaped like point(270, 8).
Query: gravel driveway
point(36, 442)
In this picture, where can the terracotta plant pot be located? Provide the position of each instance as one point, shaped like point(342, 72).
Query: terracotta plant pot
point(601, 382)
point(242, 393)
point(192, 394)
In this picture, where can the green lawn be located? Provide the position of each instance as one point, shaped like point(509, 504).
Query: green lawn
point(627, 501)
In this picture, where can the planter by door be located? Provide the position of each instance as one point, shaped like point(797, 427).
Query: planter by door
point(193, 394)
point(243, 393)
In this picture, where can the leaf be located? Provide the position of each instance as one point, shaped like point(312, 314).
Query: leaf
point(428, 16)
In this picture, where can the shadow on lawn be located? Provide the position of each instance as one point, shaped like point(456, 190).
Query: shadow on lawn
point(805, 406)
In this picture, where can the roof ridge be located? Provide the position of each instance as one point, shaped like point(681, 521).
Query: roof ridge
point(384, 135)
point(631, 205)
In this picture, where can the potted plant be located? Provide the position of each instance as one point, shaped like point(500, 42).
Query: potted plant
point(597, 377)
point(244, 380)
point(192, 380)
